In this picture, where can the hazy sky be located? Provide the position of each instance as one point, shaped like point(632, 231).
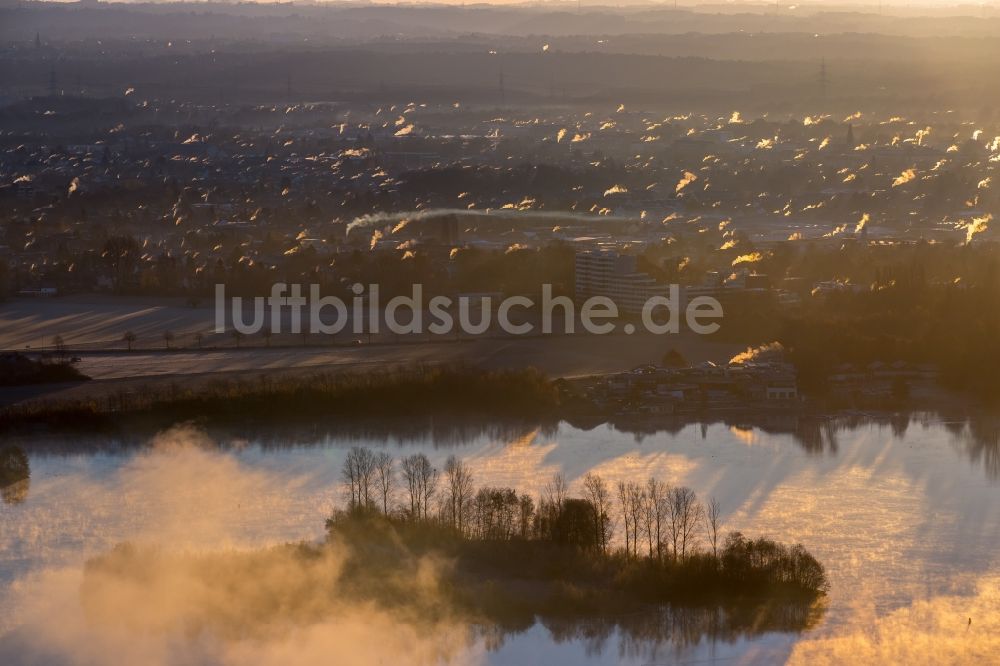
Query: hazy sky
point(959, 7)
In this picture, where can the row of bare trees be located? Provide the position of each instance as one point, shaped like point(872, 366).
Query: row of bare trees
point(665, 520)
point(657, 519)
point(371, 481)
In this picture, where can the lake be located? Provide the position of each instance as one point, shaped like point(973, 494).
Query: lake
point(903, 512)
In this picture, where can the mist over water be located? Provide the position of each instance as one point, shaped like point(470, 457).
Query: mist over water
point(906, 520)
point(198, 592)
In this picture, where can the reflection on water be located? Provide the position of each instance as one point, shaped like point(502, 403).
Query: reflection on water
point(653, 635)
point(15, 493)
point(903, 510)
point(947, 629)
point(15, 475)
point(976, 434)
point(981, 443)
point(434, 432)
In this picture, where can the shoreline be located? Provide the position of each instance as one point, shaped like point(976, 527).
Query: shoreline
point(309, 406)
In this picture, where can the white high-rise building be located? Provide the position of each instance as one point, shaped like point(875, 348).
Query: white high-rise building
point(608, 273)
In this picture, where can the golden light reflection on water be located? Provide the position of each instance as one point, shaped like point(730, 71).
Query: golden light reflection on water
point(743, 434)
point(941, 630)
point(907, 527)
point(888, 517)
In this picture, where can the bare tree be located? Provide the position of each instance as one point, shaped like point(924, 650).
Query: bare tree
point(366, 476)
point(713, 520)
point(429, 483)
point(168, 337)
point(692, 522)
point(526, 514)
point(623, 502)
point(421, 484)
point(637, 499)
point(129, 337)
point(630, 496)
point(599, 494)
point(657, 493)
point(359, 472)
point(349, 473)
point(647, 512)
point(555, 490)
point(412, 479)
point(497, 513)
point(458, 492)
point(685, 516)
point(385, 478)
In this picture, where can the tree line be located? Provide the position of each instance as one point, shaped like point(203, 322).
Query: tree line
point(651, 540)
point(652, 519)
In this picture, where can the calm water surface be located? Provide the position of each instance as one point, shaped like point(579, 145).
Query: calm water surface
point(906, 518)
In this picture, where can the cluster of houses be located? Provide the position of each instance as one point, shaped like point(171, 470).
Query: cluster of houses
point(656, 390)
point(762, 383)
